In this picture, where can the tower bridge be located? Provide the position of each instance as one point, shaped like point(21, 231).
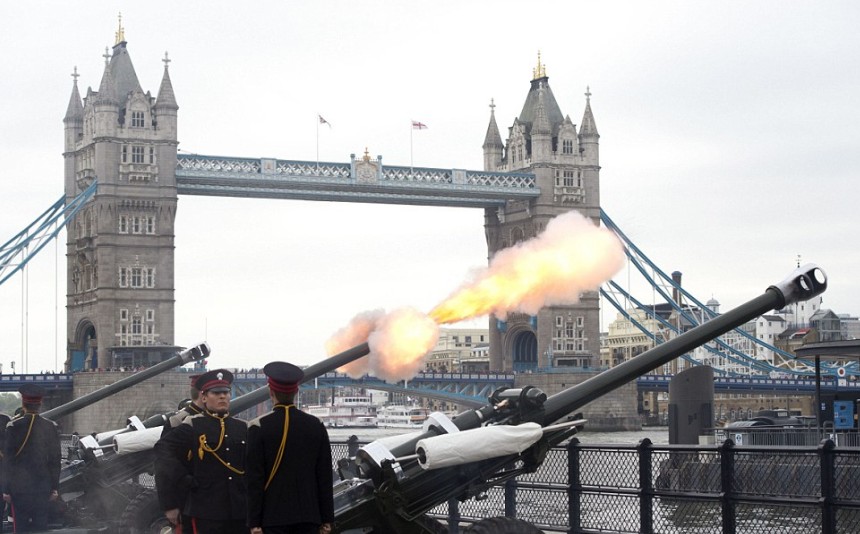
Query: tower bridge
point(120, 250)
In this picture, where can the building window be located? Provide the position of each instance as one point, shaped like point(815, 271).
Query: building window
point(136, 325)
point(137, 119)
point(123, 277)
point(136, 277)
point(580, 321)
point(567, 146)
point(150, 277)
point(123, 224)
point(150, 315)
point(137, 154)
point(135, 225)
point(150, 225)
point(125, 153)
point(123, 314)
point(152, 155)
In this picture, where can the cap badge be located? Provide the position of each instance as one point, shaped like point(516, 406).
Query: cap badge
point(220, 376)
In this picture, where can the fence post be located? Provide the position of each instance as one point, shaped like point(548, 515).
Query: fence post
point(827, 455)
point(727, 478)
point(511, 498)
point(453, 516)
point(646, 488)
point(574, 488)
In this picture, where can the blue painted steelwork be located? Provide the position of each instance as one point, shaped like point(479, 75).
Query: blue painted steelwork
point(756, 384)
point(327, 181)
point(40, 232)
point(60, 381)
point(637, 257)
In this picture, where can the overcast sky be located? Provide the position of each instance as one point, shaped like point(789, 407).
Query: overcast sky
point(729, 145)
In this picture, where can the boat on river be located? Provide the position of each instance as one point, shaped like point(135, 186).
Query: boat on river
point(400, 416)
point(346, 412)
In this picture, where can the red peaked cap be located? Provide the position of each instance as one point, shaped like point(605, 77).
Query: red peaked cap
point(219, 380)
point(283, 377)
point(31, 393)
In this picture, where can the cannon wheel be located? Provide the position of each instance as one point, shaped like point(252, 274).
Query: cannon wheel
point(143, 515)
point(502, 525)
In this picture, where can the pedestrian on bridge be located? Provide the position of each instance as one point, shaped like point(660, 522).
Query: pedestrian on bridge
point(31, 463)
point(290, 486)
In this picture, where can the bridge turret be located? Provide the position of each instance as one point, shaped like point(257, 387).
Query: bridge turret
point(74, 119)
point(165, 105)
point(493, 146)
point(588, 136)
point(105, 105)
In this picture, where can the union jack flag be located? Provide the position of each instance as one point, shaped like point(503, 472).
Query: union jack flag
point(418, 125)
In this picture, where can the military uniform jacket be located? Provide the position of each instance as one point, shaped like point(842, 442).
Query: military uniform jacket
point(301, 488)
point(198, 456)
point(31, 456)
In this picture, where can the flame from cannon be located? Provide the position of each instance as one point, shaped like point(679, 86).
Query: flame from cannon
point(570, 257)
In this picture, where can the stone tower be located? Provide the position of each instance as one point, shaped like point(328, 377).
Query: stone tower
point(565, 162)
point(120, 297)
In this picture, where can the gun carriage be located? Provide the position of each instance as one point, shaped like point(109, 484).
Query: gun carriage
point(391, 484)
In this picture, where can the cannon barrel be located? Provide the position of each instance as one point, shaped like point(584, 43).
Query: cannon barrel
point(192, 354)
point(802, 284)
point(240, 404)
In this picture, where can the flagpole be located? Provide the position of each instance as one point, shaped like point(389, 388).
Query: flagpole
point(411, 167)
point(318, 140)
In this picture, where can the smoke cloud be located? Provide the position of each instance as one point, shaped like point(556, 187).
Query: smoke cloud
point(570, 257)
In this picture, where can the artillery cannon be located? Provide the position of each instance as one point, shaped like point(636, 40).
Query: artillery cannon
point(396, 482)
point(391, 484)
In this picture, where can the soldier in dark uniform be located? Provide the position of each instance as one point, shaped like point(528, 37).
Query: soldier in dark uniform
point(205, 456)
point(192, 408)
point(289, 470)
point(31, 463)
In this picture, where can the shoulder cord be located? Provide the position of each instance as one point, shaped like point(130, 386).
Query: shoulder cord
point(27, 437)
point(204, 448)
point(280, 455)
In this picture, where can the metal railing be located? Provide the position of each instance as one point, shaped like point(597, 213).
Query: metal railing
point(648, 488)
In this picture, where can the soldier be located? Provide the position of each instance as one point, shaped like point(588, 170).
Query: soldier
point(192, 408)
point(206, 455)
point(289, 470)
point(31, 463)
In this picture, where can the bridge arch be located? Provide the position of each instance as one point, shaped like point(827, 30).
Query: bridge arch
point(523, 349)
point(83, 353)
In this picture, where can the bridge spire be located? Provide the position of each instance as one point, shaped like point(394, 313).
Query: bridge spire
point(120, 32)
point(493, 145)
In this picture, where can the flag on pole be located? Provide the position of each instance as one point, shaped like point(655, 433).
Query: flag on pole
point(323, 121)
point(418, 125)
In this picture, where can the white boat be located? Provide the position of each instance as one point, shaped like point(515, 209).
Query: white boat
point(359, 412)
point(399, 416)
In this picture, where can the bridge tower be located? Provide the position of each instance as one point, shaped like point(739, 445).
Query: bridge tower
point(119, 250)
point(565, 162)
